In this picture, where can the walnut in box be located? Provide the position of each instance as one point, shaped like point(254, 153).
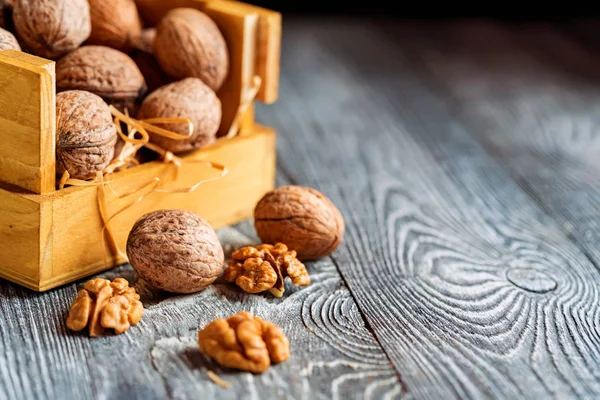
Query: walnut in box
point(51, 237)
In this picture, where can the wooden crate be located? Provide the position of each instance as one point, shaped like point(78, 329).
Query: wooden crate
point(54, 236)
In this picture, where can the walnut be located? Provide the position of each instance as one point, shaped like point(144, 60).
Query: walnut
point(103, 304)
point(256, 269)
point(189, 44)
point(302, 218)
point(85, 134)
point(107, 72)
point(244, 342)
point(187, 98)
point(52, 28)
point(115, 23)
point(8, 41)
point(175, 250)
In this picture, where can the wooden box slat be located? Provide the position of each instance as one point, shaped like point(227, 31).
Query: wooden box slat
point(57, 238)
point(27, 121)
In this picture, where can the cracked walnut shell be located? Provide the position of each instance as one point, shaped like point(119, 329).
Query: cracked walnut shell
point(244, 342)
point(188, 98)
point(115, 23)
point(8, 41)
point(261, 268)
point(302, 218)
point(175, 250)
point(52, 28)
point(103, 304)
point(107, 72)
point(86, 135)
point(189, 43)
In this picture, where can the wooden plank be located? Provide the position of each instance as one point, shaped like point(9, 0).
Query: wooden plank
point(472, 290)
point(268, 50)
point(239, 28)
point(20, 233)
point(334, 355)
point(27, 121)
point(533, 103)
point(39, 358)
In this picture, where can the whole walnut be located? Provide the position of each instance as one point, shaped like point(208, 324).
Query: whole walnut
point(302, 218)
point(175, 250)
point(85, 134)
point(189, 44)
point(188, 98)
point(8, 41)
point(115, 23)
point(107, 72)
point(52, 28)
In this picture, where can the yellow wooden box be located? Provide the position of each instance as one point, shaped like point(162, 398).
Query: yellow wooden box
point(49, 237)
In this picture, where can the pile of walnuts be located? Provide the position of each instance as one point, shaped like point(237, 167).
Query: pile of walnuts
point(178, 251)
point(148, 61)
point(130, 58)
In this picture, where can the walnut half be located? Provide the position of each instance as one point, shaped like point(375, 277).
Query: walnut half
point(103, 304)
point(264, 267)
point(244, 342)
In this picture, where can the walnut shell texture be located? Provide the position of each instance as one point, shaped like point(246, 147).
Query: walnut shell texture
point(175, 250)
point(52, 28)
point(107, 72)
point(187, 98)
point(8, 41)
point(189, 44)
point(85, 134)
point(302, 218)
point(115, 23)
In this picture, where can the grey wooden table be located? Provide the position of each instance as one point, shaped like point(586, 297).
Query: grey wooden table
point(465, 159)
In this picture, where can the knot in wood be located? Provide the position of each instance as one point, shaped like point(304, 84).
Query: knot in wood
point(531, 280)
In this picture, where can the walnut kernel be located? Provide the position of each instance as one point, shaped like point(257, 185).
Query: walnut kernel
point(103, 304)
point(107, 72)
point(261, 268)
point(175, 250)
point(189, 44)
point(302, 218)
point(188, 98)
point(85, 134)
point(244, 342)
point(52, 28)
point(8, 41)
point(115, 23)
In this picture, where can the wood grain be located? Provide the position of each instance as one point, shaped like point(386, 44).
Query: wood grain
point(548, 132)
point(239, 28)
point(27, 121)
point(333, 353)
point(467, 184)
point(472, 289)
